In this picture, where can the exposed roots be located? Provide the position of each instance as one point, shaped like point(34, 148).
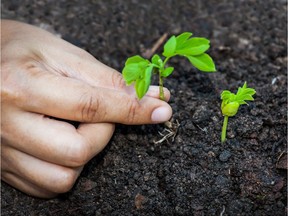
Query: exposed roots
point(170, 131)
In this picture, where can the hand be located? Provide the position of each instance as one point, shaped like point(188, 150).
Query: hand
point(46, 84)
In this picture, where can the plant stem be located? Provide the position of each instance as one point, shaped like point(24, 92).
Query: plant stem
point(161, 90)
point(165, 61)
point(224, 129)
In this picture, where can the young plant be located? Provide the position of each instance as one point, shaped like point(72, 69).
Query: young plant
point(231, 102)
point(139, 70)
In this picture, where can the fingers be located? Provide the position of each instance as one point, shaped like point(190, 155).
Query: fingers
point(70, 84)
point(97, 74)
point(59, 57)
point(55, 141)
point(72, 99)
point(26, 186)
point(35, 176)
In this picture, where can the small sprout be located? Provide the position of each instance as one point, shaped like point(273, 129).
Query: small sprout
point(139, 70)
point(231, 102)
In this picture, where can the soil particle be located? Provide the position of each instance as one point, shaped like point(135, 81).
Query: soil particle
point(139, 201)
point(224, 156)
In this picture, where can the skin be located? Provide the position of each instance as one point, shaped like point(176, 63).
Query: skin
point(45, 84)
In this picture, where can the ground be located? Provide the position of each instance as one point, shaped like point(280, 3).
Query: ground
point(194, 174)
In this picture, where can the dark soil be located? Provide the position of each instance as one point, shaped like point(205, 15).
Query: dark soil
point(194, 174)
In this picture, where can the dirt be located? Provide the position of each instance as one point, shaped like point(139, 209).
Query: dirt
point(194, 174)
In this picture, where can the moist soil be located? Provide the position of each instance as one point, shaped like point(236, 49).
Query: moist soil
point(194, 173)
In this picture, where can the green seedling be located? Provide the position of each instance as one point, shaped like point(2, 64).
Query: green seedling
point(139, 70)
point(231, 102)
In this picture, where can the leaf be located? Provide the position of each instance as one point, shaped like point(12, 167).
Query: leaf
point(167, 71)
point(134, 59)
point(202, 62)
point(231, 102)
point(156, 60)
point(244, 93)
point(180, 39)
point(131, 73)
point(170, 47)
point(245, 90)
point(133, 69)
point(196, 41)
point(194, 46)
point(193, 51)
point(142, 84)
point(226, 96)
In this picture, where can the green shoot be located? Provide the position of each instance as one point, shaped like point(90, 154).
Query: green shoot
point(139, 70)
point(231, 102)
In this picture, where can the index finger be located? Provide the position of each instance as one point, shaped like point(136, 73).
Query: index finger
point(72, 99)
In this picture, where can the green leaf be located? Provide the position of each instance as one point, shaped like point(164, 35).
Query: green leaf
point(202, 62)
point(226, 96)
point(140, 88)
point(134, 59)
point(244, 90)
point(196, 41)
point(193, 51)
point(142, 84)
point(156, 60)
point(131, 73)
point(170, 47)
point(231, 102)
point(180, 39)
point(167, 71)
point(244, 93)
point(133, 69)
point(194, 46)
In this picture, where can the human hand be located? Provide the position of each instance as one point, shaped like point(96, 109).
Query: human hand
point(47, 82)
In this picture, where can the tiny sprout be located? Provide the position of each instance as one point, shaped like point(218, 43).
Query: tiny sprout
point(139, 70)
point(231, 102)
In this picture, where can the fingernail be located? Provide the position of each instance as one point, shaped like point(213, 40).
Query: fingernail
point(161, 114)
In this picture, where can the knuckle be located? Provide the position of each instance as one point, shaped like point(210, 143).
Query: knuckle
point(10, 91)
point(133, 108)
point(64, 180)
point(117, 80)
point(89, 108)
point(16, 77)
point(78, 154)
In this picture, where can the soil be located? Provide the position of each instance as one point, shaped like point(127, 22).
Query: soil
point(194, 174)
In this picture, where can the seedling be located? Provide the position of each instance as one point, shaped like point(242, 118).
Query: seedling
point(139, 70)
point(231, 102)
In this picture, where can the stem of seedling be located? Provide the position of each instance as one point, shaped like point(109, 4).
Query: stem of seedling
point(165, 61)
point(224, 129)
point(161, 89)
point(161, 84)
